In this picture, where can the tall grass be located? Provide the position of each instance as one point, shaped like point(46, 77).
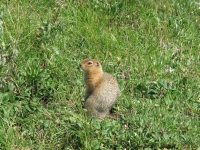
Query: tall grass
point(151, 47)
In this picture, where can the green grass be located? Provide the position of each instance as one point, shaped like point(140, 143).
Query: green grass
point(151, 47)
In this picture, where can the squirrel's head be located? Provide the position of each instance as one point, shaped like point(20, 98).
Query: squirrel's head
point(90, 65)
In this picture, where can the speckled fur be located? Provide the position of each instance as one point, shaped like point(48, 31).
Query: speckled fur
point(102, 90)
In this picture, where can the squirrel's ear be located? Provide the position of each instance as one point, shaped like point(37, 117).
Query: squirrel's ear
point(97, 63)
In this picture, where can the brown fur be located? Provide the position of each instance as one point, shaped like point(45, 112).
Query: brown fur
point(102, 90)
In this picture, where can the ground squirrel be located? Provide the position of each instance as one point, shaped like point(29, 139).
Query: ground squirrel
point(102, 90)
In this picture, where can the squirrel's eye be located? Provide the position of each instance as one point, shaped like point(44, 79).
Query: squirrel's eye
point(89, 63)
